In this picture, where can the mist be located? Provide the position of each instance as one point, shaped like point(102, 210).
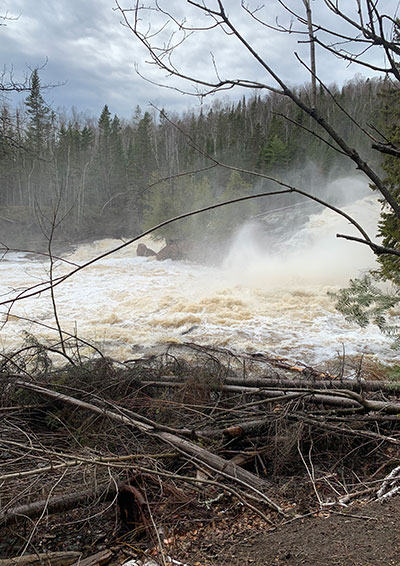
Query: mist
point(278, 250)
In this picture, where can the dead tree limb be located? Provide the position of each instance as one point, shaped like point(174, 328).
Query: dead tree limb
point(195, 453)
point(48, 558)
point(358, 386)
point(342, 398)
point(56, 504)
point(310, 395)
point(337, 429)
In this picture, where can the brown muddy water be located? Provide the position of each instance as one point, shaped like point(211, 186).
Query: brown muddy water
point(265, 300)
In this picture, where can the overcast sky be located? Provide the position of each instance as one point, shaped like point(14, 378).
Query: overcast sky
point(87, 48)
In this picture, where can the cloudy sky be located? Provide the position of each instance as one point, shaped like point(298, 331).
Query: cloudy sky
point(83, 45)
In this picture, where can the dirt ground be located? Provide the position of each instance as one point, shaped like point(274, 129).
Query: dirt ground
point(361, 535)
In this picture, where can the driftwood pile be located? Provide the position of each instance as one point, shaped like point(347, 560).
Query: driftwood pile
point(151, 446)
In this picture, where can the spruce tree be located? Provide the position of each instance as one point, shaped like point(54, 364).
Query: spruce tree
point(118, 160)
point(104, 154)
point(39, 116)
point(39, 179)
point(144, 157)
point(274, 155)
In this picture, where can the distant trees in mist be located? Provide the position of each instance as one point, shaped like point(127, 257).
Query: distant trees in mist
point(114, 176)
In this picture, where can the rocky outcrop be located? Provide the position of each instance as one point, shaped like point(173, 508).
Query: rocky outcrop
point(170, 251)
point(143, 251)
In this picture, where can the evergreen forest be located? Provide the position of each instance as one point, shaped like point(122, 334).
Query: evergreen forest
point(77, 177)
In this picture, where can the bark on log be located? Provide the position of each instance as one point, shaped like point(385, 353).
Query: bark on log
point(56, 504)
point(391, 387)
point(44, 559)
point(226, 467)
point(246, 428)
point(346, 399)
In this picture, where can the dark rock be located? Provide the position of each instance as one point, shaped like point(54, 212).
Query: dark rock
point(170, 251)
point(144, 251)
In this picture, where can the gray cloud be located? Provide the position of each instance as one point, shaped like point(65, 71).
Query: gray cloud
point(88, 48)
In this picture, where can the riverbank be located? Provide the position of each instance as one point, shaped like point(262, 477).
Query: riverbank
point(211, 458)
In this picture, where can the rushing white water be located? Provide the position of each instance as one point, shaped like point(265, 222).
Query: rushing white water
point(260, 300)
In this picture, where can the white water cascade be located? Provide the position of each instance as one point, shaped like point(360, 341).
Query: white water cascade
point(259, 300)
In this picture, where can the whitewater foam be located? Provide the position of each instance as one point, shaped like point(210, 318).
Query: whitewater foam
point(260, 300)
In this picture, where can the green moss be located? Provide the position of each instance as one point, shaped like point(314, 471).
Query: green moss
point(393, 373)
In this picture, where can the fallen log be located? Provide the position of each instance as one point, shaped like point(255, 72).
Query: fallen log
point(324, 384)
point(310, 395)
point(345, 399)
point(56, 504)
point(258, 426)
point(196, 453)
point(47, 558)
point(391, 387)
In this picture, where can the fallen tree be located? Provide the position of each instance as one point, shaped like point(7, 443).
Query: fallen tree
point(196, 453)
point(259, 440)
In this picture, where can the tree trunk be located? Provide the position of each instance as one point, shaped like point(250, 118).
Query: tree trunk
point(56, 504)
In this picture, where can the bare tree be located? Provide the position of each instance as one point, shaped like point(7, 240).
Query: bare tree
point(307, 6)
point(8, 83)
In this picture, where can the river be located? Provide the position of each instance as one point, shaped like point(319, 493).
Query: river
point(260, 299)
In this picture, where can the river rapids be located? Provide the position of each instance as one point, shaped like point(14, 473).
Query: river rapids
point(272, 300)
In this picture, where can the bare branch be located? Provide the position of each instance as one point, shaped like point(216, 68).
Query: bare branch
point(161, 56)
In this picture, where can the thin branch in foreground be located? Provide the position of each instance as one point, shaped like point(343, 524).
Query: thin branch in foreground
point(216, 464)
point(45, 286)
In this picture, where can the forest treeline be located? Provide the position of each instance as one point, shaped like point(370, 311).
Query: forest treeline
point(93, 177)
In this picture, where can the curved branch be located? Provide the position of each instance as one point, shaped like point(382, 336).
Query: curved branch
point(378, 250)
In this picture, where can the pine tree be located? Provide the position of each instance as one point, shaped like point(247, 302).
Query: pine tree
point(39, 116)
point(104, 154)
point(118, 179)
